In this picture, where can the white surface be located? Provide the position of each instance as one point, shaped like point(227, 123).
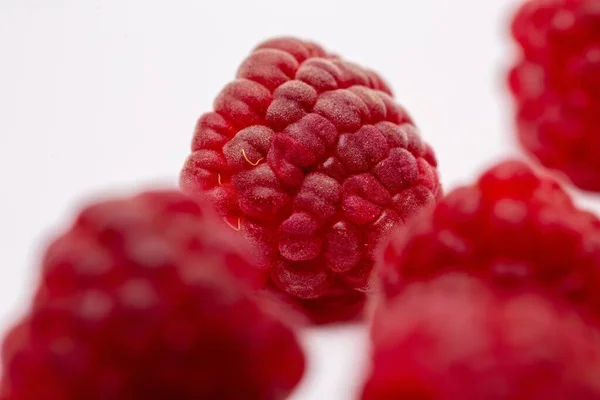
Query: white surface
point(100, 95)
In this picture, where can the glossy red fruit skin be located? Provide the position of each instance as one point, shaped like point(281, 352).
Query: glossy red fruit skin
point(455, 338)
point(137, 300)
point(512, 228)
point(310, 158)
point(556, 86)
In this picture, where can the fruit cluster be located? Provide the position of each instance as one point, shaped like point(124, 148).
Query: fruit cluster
point(137, 301)
point(492, 294)
point(310, 158)
point(308, 190)
point(556, 86)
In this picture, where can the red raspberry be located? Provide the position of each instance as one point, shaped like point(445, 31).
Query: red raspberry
point(512, 228)
point(556, 84)
point(455, 338)
point(312, 160)
point(135, 303)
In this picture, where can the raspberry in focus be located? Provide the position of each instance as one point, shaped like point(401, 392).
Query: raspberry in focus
point(455, 338)
point(137, 300)
point(513, 229)
point(556, 86)
point(311, 159)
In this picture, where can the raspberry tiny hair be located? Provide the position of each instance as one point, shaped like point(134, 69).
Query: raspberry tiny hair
point(309, 157)
point(513, 228)
point(455, 337)
point(555, 83)
point(148, 297)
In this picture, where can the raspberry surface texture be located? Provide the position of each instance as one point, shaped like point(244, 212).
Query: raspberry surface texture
point(137, 301)
point(455, 338)
point(310, 158)
point(513, 229)
point(556, 86)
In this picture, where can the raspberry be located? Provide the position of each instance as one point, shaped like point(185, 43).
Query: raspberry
point(556, 86)
point(310, 158)
point(135, 302)
point(455, 338)
point(513, 229)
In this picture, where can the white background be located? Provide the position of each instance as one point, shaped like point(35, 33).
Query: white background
point(101, 96)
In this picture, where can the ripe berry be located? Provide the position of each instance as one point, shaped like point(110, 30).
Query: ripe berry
point(135, 302)
point(310, 158)
point(556, 85)
point(512, 228)
point(455, 338)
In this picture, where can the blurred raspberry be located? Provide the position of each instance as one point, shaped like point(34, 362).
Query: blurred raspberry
point(135, 302)
point(310, 158)
point(556, 85)
point(512, 228)
point(455, 338)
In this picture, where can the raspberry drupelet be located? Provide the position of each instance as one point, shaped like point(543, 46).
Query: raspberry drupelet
point(556, 86)
point(309, 158)
point(454, 337)
point(137, 300)
point(513, 229)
